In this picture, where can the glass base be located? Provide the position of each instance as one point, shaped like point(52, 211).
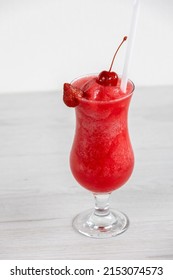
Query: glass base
point(92, 225)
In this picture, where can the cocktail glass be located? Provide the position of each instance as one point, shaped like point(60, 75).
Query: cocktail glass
point(102, 160)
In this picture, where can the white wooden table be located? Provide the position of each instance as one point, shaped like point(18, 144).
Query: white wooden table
point(39, 197)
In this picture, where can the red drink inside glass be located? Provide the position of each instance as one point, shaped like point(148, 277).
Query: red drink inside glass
point(102, 158)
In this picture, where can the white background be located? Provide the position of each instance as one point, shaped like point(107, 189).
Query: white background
point(44, 43)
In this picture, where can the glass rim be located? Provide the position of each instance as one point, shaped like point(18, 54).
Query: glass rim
point(104, 101)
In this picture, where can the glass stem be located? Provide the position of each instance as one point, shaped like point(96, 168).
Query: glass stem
point(102, 204)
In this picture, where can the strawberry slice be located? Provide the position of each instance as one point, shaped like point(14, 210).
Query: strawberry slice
point(71, 95)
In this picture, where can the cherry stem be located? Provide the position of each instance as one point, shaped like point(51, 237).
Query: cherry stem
point(124, 39)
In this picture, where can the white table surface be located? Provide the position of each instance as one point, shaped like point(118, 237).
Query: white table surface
point(39, 197)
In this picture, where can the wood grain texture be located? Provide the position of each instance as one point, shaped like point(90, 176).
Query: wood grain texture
point(39, 197)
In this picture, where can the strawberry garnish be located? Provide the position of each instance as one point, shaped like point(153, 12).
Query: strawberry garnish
point(71, 95)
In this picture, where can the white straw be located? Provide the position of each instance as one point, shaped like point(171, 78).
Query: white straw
point(130, 44)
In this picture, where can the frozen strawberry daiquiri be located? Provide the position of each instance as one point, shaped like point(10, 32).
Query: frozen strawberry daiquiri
point(101, 158)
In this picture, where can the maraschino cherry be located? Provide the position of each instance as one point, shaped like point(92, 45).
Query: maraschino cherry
point(109, 78)
point(94, 89)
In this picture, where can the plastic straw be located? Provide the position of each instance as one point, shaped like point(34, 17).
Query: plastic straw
point(130, 44)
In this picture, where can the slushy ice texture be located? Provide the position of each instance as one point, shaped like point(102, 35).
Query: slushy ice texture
point(101, 158)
